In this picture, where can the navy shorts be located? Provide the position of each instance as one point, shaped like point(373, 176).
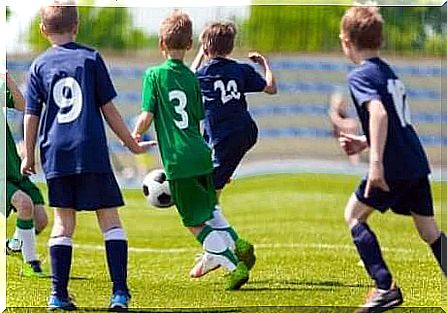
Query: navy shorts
point(85, 192)
point(228, 153)
point(405, 197)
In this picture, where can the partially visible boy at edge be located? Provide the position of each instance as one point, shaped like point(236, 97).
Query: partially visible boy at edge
point(398, 168)
point(73, 82)
point(171, 97)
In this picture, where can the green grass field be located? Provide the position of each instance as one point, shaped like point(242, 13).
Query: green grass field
point(305, 254)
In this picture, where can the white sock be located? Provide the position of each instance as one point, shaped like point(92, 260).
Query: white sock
point(28, 239)
point(220, 224)
point(214, 244)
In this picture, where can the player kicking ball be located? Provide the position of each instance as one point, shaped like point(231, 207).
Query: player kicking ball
point(171, 97)
point(73, 83)
point(398, 169)
point(22, 196)
point(229, 128)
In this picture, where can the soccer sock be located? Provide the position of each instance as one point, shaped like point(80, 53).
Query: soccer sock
point(437, 247)
point(60, 254)
point(25, 233)
point(368, 248)
point(220, 224)
point(213, 243)
point(117, 252)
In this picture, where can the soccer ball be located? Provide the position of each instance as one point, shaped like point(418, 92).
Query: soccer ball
point(156, 189)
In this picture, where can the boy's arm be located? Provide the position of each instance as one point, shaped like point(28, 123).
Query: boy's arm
point(143, 124)
point(116, 123)
point(378, 129)
point(197, 60)
point(270, 87)
point(19, 101)
point(31, 124)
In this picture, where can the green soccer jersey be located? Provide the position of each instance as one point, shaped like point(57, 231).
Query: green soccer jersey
point(171, 92)
point(12, 158)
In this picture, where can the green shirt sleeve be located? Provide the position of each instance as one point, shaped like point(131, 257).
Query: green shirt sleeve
point(149, 95)
point(9, 98)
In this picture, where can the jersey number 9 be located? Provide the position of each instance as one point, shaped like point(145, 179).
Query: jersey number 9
point(67, 95)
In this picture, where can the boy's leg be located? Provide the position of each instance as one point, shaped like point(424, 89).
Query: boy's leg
point(40, 218)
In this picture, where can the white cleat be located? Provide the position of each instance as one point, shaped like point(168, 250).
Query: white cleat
point(205, 263)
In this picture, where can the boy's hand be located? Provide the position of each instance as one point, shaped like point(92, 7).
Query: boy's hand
point(257, 58)
point(376, 178)
point(352, 144)
point(143, 146)
point(27, 167)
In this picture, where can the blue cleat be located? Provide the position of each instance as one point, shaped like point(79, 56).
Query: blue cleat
point(64, 304)
point(119, 302)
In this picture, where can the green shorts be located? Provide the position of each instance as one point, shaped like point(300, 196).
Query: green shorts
point(25, 185)
point(195, 198)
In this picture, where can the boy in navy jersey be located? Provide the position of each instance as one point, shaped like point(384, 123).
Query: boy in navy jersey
point(398, 170)
point(73, 83)
point(229, 129)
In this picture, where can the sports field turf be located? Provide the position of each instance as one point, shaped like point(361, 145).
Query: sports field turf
point(305, 254)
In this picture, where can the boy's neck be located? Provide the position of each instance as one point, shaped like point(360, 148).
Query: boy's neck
point(61, 39)
point(218, 56)
point(175, 54)
point(362, 55)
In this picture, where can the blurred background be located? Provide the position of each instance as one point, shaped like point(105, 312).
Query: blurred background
point(302, 45)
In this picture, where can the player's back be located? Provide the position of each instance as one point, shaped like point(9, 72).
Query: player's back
point(224, 83)
point(404, 156)
point(73, 83)
point(172, 94)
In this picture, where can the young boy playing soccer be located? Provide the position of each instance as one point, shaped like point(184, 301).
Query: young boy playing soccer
point(22, 196)
point(73, 82)
point(171, 97)
point(397, 176)
point(229, 128)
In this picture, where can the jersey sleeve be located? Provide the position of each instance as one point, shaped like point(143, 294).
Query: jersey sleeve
point(9, 99)
point(33, 95)
point(149, 96)
point(254, 82)
point(104, 89)
point(200, 108)
point(362, 89)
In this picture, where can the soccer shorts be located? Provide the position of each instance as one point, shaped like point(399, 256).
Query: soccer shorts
point(195, 199)
point(228, 153)
point(25, 185)
point(85, 192)
point(405, 197)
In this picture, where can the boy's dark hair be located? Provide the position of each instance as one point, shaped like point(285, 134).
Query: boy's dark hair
point(59, 19)
point(176, 30)
point(363, 26)
point(218, 38)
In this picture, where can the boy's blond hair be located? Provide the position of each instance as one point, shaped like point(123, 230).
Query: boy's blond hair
point(218, 38)
point(363, 26)
point(59, 17)
point(176, 31)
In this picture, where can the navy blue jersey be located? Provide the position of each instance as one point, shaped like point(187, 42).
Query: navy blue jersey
point(404, 157)
point(73, 83)
point(224, 83)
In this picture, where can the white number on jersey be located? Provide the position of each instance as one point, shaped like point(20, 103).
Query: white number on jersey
point(67, 95)
point(180, 108)
point(397, 90)
point(228, 93)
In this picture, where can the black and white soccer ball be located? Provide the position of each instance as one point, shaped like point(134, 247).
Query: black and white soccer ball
point(156, 189)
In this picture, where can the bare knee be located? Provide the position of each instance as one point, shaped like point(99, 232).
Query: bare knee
point(356, 212)
point(427, 228)
point(40, 218)
point(64, 223)
point(108, 219)
point(24, 205)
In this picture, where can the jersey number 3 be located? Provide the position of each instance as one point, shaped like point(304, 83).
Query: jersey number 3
point(180, 96)
point(397, 90)
point(67, 95)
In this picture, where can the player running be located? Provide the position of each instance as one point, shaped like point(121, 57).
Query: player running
point(398, 170)
point(22, 196)
point(171, 97)
point(229, 128)
point(73, 82)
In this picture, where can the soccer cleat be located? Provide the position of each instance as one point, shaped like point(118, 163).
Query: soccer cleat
point(238, 277)
point(119, 302)
point(205, 263)
point(382, 300)
point(13, 246)
point(64, 304)
point(33, 269)
point(245, 252)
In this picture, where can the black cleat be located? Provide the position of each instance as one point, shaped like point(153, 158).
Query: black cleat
point(380, 300)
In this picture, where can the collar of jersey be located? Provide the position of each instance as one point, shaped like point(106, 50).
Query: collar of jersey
point(174, 61)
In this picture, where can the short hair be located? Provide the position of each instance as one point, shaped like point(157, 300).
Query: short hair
point(363, 25)
point(176, 30)
point(59, 17)
point(218, 38)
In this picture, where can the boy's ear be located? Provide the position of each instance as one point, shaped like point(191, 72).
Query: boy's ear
point(189, 45)
point(43, 29)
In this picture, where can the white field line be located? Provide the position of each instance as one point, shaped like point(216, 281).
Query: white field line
point(261, 246)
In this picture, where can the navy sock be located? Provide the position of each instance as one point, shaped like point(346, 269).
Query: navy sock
point(368, 248)
point(437, 247)
point(116, 251)
point(60, 256)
